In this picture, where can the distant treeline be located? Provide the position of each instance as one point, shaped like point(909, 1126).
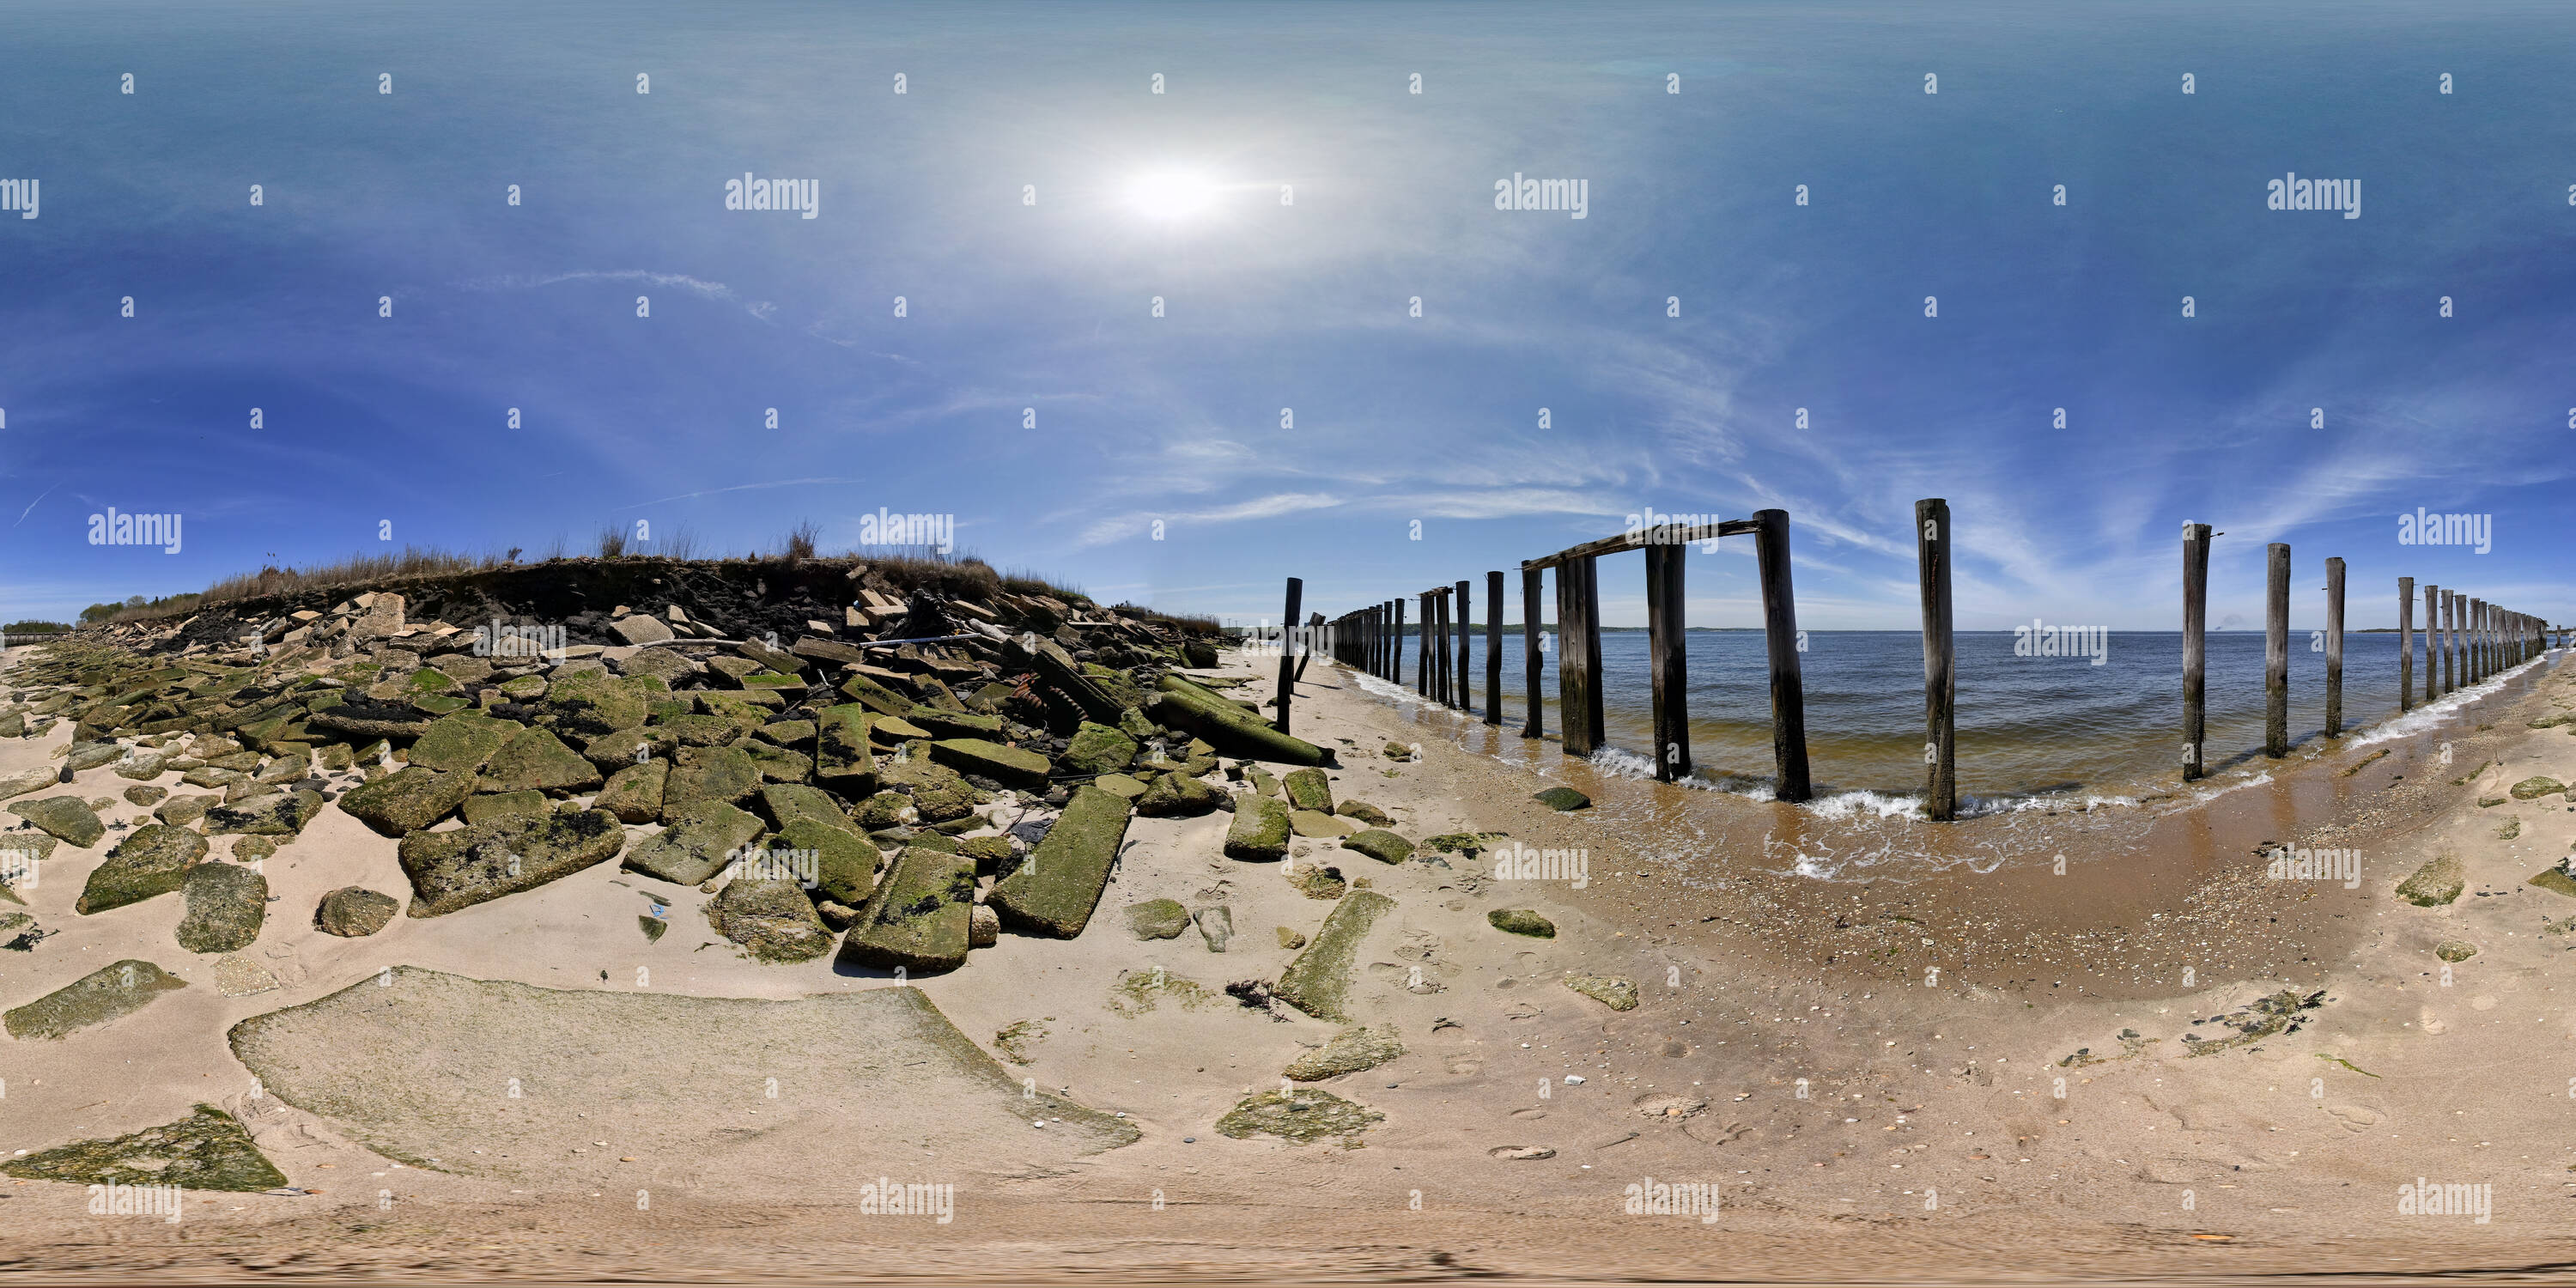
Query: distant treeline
point(35, 628)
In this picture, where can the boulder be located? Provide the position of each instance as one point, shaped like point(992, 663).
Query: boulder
point(842, 760)
point(226, 905)
point(1170, 796)
point(919, 919)
point(1312, 824)
point(634, 794)
point(784, 803)
point(771, 918)
point(65, 818)
point(483, 809)
point(109, 993)
point(280, 815)
point(1053, 894)
point(1383, 846)
point(2434, 884)
point(1216, 927)
point(458, 869)
point(696, 844)
point(152, 860)
point(1157, 919)
point(640, 630)
point(708, 775)
point(407, 800)
point(1562, 799)
point(1521, 921)
point(1010, 766)
point(845, 863)
point(180, 811)
point(596, 702)
point(876, 697)
point(1318, 982)
point(354, 912)
point(1309, 789)
point(461, 743)
point(536, 760)
point(1097, 749)
point(146, 797)
point(1364, 812)
point(1609, 990)
point(1259, 833)
point(1352, 1050)
point(25, 781)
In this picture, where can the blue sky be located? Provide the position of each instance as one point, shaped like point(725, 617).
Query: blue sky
point(1305, 307)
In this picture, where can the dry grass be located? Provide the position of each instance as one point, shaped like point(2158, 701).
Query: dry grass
point(800, 540)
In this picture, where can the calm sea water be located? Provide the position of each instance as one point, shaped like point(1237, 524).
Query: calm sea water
point(2026, 725)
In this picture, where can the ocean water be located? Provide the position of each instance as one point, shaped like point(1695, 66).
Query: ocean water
point(2060, 727)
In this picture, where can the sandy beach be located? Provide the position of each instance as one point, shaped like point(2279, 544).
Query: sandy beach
point(1980, 1075)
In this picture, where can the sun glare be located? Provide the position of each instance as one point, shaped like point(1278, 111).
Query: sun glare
point(1170, 194)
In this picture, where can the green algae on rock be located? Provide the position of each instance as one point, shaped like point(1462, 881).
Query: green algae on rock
point(208, 1150)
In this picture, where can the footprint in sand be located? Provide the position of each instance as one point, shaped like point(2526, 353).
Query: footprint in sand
point(2352, 1118)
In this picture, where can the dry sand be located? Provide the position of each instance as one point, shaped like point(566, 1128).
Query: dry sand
point(1860, 1118)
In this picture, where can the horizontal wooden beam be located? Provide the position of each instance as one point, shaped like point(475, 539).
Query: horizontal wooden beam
point(1637, 541)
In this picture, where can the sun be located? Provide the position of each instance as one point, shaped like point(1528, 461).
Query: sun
point(1170, 194)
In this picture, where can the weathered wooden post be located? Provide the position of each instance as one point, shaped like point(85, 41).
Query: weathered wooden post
point(1440, 682)
point(1531, 663)
point(1578, 653)
point(2432, 636)
point(2276, 653)
point(2485, 639)
point(2473, 654)
point(1466, 623)
point(1667, 659)
point(1493, 648)
point(2334, 647)
point(2195, 642)
point(1422, 665)
point(1780, 636)
point(2450, 637)
point(2405, 642)
point(1307, 646)
point(1940, 677)
point(1287, 654)
point(1395, 643)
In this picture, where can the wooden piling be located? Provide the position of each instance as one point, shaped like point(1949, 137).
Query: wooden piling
point(2450, 636)
point(2276, 653)
point(2195, 651)
point(1287, 658)
point(1395, 643)
point(1466, 664)
point(1780, 636)
point(1306, 647)
point(1667, 660)
point(1940, 676)
point(2405, 642)
point(1532, 665)
point(1578, 656)
point(2432, 634)
point(1422, 664)
point(2334, 647)
point(1493, 648)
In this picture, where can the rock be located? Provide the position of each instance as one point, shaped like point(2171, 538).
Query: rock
point(22, 848)
point(845, 863)
point(634, 794)
point(2455, 950)
point(841, 756)
point(407, 800)
point(104, 995)
point(1609, 990)
point(280, 815)
point(1383, 846)
point(179, 811)
point(238, 976)
point(2535, 788)
point(1099, 749)
point(81, 757)
point(1520, 1153)
point(876, 697)
point(983, 927)
point(640, 630)
point(354, 912)
point(141, 766)
point(19, 784)
point(1157, 919)
point(880, 811)
point(920, 919)
point(65, 818)
point(1320, 826)
point(462, 743)
point(1302, 1116)
point(366, 721)
point(2558, 879)
point(483, 809)
point(777, 764)
point(1133, 789)
point(1216, 927)
point(708, 775)
point(892, 729)
point(773, 919)
point(1053, 894)
point(992, 854)
point(1562, 799)
point(1290, 939)
point(536, 760)
point(698, 841)
point(1318, 981)
point(226, 905)
point(1309, 789)
point(458, 869)
point(205, 1152)
point(146, 797)
point(596, 702)
point(1010, 766)
point(152, 860)
point(784, 803)
point(1521, 921)
point(1396, 751)
point(1259, 833)
point(1227, 728)
point(1364, 812)
point(2434, 884)
point(955, 724)
point(1172, 796)
point(1351, 1050)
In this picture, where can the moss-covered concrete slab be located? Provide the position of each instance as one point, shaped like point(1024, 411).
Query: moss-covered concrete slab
point(1260, 830)
point(354, 912)
point(206, 1150)
point(1351, 1050)
point(1301, 1116)
point(408, 799)
point(1381, 845)
point(1609, 990)
point(772, 918)
point(634, 794)
point(1309, 789)
point(2436, 883)
point(104, 995)
point(708, 775)
point(1009, 766)
point(1054, 892)
point(696, 845)
point(1318, 982)
point(66, 818)
point(284, 814)
point(462, 743)
point(917, 919)
point(152, 860)
point(537, 760)
point(458, 869)
point(225, 905)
